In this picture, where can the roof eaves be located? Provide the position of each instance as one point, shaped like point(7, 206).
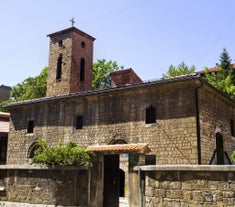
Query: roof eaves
point(94, 92)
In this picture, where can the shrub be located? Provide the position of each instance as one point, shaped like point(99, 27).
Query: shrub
point(69, 155)
point(233, 156)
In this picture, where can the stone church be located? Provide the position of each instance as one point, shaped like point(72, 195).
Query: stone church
point(181, 120)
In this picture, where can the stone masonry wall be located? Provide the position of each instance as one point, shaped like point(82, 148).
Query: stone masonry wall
point(194, 186)
point(32, 185)
point(120, 114)
point(215, 116)
point(111, 116)
point(59, 87)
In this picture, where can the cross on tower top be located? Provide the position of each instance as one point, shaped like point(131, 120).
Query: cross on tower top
point(72, 21)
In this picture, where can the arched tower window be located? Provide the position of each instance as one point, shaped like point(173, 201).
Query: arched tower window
point(82, 69)
point(59, 68)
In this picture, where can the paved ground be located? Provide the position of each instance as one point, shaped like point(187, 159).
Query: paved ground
point(123, 202)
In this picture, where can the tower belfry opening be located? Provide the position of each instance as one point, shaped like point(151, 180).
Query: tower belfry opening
point(70, 62)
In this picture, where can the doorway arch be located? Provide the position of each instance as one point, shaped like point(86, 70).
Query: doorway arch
point(118, 141)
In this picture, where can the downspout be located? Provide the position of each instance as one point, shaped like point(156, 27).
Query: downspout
point(139, 188)
point(198, 125)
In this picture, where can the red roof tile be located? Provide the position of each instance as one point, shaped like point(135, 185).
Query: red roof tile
point(214, 69)
point(4, 126)
point(4, 122)
point(120, 148)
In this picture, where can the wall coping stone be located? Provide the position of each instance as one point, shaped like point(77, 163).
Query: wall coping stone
point(10, 204)
point(41, 167)
point(223, 168)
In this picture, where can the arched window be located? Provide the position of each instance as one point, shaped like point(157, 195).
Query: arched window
point(59, 68)
point(32, 149)
point(82, 69)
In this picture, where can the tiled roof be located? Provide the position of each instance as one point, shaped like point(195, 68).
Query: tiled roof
point(4, 122)
point(93, 92)
point(214, 69)
point(71, 29)
point(120, 148)
point(4, 126)
point(4, 115)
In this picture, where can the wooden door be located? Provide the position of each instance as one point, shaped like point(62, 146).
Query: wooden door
point(111, 181)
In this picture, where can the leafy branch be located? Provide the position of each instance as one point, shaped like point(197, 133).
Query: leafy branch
point(69, 155)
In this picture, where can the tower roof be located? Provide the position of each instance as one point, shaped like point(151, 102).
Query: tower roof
point(72, 29)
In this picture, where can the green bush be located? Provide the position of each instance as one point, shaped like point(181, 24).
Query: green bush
point(233, 156)
point(69, 155)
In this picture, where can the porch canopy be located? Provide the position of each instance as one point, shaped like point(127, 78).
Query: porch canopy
point(120, 148)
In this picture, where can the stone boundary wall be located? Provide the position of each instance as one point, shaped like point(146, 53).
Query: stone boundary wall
point(40, 186)
point(187, 186)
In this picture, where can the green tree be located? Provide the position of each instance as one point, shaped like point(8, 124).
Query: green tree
point(225, 64)
point(181, 69)
point(4, 103)
point(224, 78)
point(101, 73)
point(31, 88)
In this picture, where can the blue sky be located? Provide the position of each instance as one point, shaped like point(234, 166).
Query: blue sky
point(146, 35)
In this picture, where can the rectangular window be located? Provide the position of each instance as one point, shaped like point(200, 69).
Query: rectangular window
point(150, 159)
point(30, 126)
point(79, 122)
point(60, 43)
point(150, 115)
point(232, 127)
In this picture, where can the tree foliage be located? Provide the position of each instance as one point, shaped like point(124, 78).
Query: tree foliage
point(35, 87)
point(101, 73)
point(31, 88)
point(224, 78)
point(181, 69)
point(233, 156)
point(4, 103)
point(69, 155)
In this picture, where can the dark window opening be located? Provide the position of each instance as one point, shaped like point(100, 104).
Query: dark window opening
point(220, 149)
point(32, 149)
point(59, 68)
point(79, 122)
point(83, 44)
point(60, 43)
point(232, 127)
point(30, 126)
point(150, 115)
point(3, 150)
point(150, 159)
point(82, 69)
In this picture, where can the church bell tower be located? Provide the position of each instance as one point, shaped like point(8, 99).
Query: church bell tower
point(70, 62)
